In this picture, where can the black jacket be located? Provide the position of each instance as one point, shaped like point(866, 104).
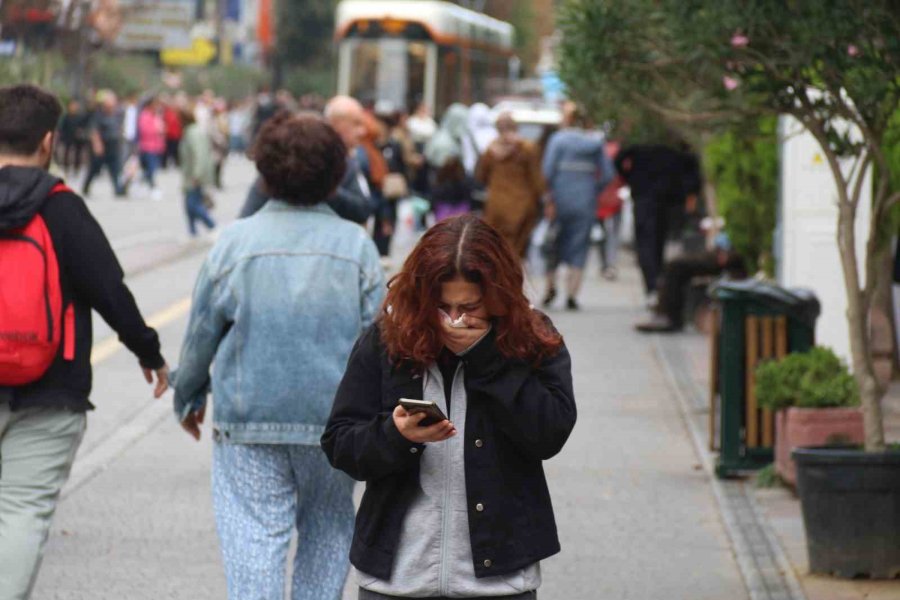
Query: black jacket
point(520, 414)
point(659, 173)
point(91, 278)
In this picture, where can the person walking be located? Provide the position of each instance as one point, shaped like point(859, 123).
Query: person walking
point(45, 386)
point(197, 172)
point(396, 148)
point(278, 305)
point(511, 170)
point(151, 142)
point(421, 127)
point(662, 179)
point(459, 507)
point(172, 116)
point(73, 137)
point(105, 133)
point(576, 168)
point(218, 135)
point(609, 216)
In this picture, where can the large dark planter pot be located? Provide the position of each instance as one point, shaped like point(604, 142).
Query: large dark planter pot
point(851, 510)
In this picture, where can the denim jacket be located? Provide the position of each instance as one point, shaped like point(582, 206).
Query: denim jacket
point(278, 305)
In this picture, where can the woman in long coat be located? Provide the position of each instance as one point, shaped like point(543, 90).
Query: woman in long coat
point(511, 170)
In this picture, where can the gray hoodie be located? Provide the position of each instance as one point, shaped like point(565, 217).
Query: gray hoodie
point(434, 555)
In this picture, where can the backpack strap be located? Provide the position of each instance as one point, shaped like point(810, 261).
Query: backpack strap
point(60, 188)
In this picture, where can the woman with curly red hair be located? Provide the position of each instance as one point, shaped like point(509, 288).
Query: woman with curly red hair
point(458, 508)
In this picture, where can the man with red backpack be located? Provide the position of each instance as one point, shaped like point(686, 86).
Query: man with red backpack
point(56, 265)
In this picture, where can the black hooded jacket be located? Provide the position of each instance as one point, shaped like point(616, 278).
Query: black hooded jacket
point(90, 277)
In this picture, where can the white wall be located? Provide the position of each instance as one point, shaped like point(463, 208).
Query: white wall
point(806, 239)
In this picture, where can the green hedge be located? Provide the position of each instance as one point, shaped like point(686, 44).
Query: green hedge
point(743, 166)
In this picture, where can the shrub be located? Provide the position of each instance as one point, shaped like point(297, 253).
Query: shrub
point(743, 166)
point(814, 379)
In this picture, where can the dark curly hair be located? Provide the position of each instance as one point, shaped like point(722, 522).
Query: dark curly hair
point(300, 157)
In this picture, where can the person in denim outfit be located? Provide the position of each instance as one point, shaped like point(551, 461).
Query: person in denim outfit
point(576, 170)
point(278, 305)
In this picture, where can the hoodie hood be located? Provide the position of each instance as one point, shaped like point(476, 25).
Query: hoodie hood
point(23, 191)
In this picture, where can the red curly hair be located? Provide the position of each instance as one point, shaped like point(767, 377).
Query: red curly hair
point(466, 246)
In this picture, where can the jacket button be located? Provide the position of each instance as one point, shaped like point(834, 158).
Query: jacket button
point(479, 507)
point(413, 450)
point(488, 563)
point(479, 443)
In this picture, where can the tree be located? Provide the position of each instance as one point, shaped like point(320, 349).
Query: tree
point(834, 65)
point(304, 34)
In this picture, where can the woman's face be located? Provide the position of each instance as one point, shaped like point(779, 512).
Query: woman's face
point(459, 296)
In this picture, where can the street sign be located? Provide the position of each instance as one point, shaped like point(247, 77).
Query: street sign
point(155, 25)
point(201, 52)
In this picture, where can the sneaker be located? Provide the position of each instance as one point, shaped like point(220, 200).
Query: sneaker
point(610, 273)
point(652, 301)
point(658, 324)
point(572, 304)
point(156, 194)
point(549, 298)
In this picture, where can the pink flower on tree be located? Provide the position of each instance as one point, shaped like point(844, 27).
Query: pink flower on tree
point(730, 83)
point(853, 50)
point(739, 40)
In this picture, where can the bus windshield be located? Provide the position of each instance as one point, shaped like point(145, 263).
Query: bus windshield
point(389, 69)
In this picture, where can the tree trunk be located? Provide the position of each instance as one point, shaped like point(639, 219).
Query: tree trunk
point(858, 309)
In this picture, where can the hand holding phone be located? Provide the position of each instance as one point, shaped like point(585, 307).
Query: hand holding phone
point(410, 425)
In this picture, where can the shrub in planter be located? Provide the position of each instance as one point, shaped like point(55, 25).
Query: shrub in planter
point(815, 398)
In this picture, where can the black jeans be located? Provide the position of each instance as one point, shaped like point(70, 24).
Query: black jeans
point(650, 229)
point(111, 159)
point(367, 595)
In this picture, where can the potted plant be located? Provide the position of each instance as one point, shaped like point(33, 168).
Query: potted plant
point(815, 400)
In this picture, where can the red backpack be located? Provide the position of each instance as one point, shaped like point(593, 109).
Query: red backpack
point(31, 303)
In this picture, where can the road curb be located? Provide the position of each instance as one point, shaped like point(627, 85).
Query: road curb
point(768, 573)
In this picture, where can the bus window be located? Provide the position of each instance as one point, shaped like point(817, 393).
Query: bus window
point(389, 69)
point(365, 58)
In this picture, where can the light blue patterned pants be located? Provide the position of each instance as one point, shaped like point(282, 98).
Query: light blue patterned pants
point(260, 493)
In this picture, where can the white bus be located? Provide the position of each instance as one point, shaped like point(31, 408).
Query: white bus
point(411, 51)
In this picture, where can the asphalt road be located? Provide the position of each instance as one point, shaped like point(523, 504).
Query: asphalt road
point(636, 514)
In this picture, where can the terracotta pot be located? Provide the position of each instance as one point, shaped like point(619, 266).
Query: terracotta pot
point(809, 427)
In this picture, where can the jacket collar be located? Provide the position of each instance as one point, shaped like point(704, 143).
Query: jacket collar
point(274, 205)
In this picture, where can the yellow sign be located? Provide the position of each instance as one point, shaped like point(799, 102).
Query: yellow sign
point(817, 159)
point(201, 52)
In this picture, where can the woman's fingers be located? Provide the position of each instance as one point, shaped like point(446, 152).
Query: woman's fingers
point(475, 322)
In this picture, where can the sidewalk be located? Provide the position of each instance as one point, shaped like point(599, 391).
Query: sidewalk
point(637, 516)
point(688, 354)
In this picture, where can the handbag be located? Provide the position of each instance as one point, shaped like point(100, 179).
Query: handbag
point(394, 186)
point(609, 203)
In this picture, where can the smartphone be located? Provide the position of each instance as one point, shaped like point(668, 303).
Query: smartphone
point(433, 413)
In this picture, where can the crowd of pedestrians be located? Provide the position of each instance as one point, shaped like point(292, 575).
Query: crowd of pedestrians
point(319, 362)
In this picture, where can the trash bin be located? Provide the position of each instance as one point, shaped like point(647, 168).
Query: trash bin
point(755, 321)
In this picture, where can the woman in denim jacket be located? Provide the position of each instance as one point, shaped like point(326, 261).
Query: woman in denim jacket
point(278, 305)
